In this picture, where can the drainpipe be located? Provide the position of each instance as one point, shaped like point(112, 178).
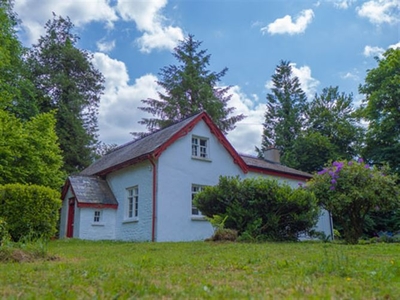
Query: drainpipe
point(153, 220)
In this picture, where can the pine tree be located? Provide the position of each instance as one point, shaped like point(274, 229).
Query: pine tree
point(70, 84)
point(189, 88)
point(284, 116)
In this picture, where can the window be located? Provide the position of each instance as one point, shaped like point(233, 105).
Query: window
point(132, 205)
point(200, 147)
point(196, 189)
point(97, 216)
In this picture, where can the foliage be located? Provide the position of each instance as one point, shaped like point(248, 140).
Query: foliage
point(189, 88)
point(351, 190)
point(4, 235)
point(199, 270)
point(284, 117)
point(29, 210)
point(381, 110)
point(17, 93)
point(260, 208)
point(29, 151)
point(70, 84)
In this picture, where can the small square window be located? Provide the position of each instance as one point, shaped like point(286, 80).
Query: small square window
point(97, 216)
point(200, 147)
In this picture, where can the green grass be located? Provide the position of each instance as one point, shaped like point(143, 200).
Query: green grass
point(200, 270)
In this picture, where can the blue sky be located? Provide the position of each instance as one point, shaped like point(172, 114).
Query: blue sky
point(330, 43)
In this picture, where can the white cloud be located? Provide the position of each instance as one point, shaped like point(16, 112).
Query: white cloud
point(248, 132)
point(373, 51)
point(395, 46)
point(307, 82)
point(148, 18)
point(35, 14)
point(343, 4)
point(378, 51)
point(105, 46)
point(351, 75)
point(118, 111)
point(380, 11)
point(286, 25)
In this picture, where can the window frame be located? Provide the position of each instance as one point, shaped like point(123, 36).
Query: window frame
point(200, 151)
point(200, 188)
point(132, 204)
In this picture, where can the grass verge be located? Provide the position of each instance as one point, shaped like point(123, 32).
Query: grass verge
point(199, 270)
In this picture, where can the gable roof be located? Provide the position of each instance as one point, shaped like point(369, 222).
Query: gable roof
point(154, 144)
point(90, 191)
point(263, 166)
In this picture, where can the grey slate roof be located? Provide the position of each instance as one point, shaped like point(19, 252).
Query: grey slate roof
point(136, 149)
point(92, 189)
point(253, 161)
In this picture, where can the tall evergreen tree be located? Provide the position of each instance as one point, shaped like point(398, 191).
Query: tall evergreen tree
point(284, 117)
point(17, 93)
point(381, 108)
point(189, 87)
point(70, 84)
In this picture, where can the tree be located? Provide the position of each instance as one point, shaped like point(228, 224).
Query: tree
point(351, 191)
point(331, 132)
point(381, 111)
point(70, 84)
point(284, 117)
point(17, 92)
point(29, 152)
point(189, 88)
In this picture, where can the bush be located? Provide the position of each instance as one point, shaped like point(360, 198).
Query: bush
point(260, 208)
point(29, 210)
point(352, 191)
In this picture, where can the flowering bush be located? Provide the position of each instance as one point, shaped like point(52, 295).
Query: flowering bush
point(352, 189)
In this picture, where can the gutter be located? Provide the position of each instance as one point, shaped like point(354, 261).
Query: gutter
point(153, 219)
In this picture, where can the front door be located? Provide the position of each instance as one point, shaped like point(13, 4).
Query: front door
point(71, 214)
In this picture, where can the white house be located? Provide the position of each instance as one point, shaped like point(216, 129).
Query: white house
point(143, 190)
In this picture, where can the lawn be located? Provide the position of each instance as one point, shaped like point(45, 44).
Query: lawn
point(206, 270)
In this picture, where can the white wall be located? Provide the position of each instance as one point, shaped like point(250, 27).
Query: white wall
point(177, 171)
point(139, 175)
point(64, 214)
point(104, 230)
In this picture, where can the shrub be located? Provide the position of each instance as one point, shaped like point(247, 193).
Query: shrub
point(352, 190)
point(29, 210)
point(260, 208)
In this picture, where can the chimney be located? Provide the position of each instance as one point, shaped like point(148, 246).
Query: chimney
point(272, 155)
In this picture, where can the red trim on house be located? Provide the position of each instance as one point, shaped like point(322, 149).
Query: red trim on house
point(64, 190)
point(154, 199)
point(279, 174)
point(214, 130)
point(96, 205)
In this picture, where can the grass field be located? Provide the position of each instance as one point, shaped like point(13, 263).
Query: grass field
point(201, 270)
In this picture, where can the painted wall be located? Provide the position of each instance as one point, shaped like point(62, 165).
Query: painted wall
point(177, 171)
point(64, 214)
point(103, 230)
point(140, 175)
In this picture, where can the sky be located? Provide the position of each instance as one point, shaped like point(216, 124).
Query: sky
point(328, 42)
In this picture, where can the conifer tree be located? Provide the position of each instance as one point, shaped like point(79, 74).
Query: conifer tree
point(70, 84)
point(284, 116)
point(188, 88)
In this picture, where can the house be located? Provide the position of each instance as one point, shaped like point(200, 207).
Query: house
point(143, 190)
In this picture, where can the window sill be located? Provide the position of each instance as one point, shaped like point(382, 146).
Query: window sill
point(98, 224)
point(199, 218)
point(133, 220)
point(201, 158)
